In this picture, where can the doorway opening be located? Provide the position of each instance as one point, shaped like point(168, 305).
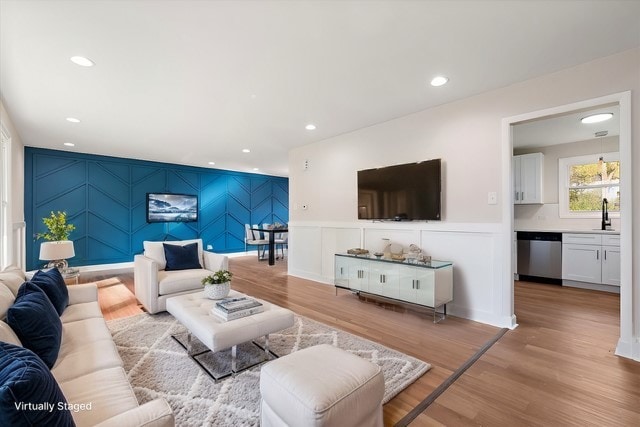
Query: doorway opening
point(541, 216)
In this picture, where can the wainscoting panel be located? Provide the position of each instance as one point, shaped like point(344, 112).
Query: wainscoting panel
point(105, 198)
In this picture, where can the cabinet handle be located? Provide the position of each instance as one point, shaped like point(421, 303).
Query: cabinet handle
point(597, 254)
point(522, 195)
point(417, 284)
point(605, 254)
point(517, 193)
point(413, 284)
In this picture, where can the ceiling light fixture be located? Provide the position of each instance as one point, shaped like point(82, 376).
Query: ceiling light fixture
point(73, 120)
point(69, 144)
point(212, 163)
point(596, 118)
point(246, 150)
point(439, 81)
point(256, 169)
point(82, 61)
point(310, 126)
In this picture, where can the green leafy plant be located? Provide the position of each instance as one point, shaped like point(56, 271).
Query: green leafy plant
point(219, 277)
point(58, 228)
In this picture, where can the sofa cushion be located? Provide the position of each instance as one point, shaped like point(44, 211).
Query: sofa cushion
point(82, 311)
point(52, 283)
point(7, 334)
point(12, 277)
point(6, 300)
point(180, 281)
point(77, 360)
point(26, 381)
point(181, 257)
point(107, 390)
point(76, 334)
point(155, 250)
point(36, 322)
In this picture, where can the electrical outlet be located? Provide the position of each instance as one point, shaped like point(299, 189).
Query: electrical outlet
point(209, 247)
point(492, 198)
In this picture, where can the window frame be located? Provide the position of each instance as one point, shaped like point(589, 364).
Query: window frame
point(564, 163)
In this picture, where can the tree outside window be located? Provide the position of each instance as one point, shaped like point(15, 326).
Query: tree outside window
point(585, 181)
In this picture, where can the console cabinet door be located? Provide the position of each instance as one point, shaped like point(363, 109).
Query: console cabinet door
point(359, 275)
point(342, 271)
point(581, 262)
point(425, 287)
point(407, 285)
point(383, 279)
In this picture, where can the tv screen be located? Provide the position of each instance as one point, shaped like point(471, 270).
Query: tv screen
point(401, 193)
point(165, 207)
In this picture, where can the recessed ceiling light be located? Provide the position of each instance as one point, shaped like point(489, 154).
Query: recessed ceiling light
point(82, 61)
point(596, 118)
point(439, 81)
point(69, 144)
point(256, 169)
point(73, 120)
point(212, 163)
point(246, 150)
point(310, 126)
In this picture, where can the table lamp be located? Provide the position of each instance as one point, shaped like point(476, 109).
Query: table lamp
point(57, 253)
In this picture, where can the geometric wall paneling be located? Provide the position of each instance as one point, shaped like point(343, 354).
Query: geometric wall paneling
point(105, 198)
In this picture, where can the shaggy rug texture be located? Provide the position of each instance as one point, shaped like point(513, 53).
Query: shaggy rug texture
point(158, 366)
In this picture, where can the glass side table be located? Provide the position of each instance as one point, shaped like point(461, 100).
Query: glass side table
point(71, 274)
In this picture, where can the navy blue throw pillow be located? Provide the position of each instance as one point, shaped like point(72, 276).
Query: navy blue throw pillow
point(52, 283)
point(181, 257)
point(36, 322)
point(29, 395)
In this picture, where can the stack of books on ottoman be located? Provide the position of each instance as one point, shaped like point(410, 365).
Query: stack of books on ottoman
point(235, 308)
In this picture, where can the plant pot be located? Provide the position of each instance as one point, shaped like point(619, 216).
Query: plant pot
point(217, 290)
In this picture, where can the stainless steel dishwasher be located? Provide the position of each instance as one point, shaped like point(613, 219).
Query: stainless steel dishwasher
point(540, 256)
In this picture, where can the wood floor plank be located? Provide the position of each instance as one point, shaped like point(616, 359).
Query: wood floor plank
point(557, 368)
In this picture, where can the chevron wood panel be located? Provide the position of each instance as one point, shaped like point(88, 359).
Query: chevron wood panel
point(105, 198)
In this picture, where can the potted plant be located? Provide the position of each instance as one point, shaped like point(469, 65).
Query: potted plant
point(218, 284)
point(58, 248)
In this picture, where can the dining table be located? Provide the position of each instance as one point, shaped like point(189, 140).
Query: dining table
point(272, 240)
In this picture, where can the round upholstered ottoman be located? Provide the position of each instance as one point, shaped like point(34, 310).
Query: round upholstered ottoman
point(321, 386)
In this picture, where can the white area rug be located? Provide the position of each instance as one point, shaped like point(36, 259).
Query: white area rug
point(158, 366)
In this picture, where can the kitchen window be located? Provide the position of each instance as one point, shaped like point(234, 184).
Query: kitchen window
point(585, 181)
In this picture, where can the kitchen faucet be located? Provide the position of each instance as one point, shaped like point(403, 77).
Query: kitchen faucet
point(606, 222)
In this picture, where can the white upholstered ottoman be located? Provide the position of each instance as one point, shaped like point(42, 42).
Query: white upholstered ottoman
point(321, 386)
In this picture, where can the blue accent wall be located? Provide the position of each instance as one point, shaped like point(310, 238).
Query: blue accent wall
point(105, 198)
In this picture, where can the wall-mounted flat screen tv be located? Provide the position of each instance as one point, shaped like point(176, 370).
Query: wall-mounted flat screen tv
point(168, 207)
point(408, 192)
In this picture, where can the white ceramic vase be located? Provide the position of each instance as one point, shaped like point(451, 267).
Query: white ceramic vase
point(217, 290)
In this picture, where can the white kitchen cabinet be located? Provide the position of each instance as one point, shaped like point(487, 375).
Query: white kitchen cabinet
point(425, 284)
point(528, 178)
point(591, 258)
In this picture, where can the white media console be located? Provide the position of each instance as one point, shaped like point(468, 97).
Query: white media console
point(427, 284)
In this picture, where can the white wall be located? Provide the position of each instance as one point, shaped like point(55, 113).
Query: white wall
point(17, 184)
point(467, 136)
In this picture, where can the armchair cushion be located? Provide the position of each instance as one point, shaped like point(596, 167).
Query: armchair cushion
point(181, 257)
point(181, 281)
point(52, 283)
point(36, 322)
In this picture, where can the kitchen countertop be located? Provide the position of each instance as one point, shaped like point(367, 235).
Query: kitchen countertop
point(614, 232)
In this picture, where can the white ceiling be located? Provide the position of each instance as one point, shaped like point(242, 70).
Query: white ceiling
point(565, 128)
point(190, 82)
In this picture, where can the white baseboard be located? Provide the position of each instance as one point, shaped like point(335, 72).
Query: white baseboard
point(592, 286)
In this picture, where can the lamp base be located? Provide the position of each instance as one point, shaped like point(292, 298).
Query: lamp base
point(60, 264)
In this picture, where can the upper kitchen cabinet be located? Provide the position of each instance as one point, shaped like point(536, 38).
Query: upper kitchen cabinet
point(527, 178)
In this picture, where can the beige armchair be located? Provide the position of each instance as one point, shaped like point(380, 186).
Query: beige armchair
point(154, 285)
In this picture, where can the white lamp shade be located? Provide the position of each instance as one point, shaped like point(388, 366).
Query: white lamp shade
point(62, 249)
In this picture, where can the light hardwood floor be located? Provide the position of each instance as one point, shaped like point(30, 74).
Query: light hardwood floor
point(556, 368)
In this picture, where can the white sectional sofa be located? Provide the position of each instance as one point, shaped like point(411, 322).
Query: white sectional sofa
point(88, 369)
